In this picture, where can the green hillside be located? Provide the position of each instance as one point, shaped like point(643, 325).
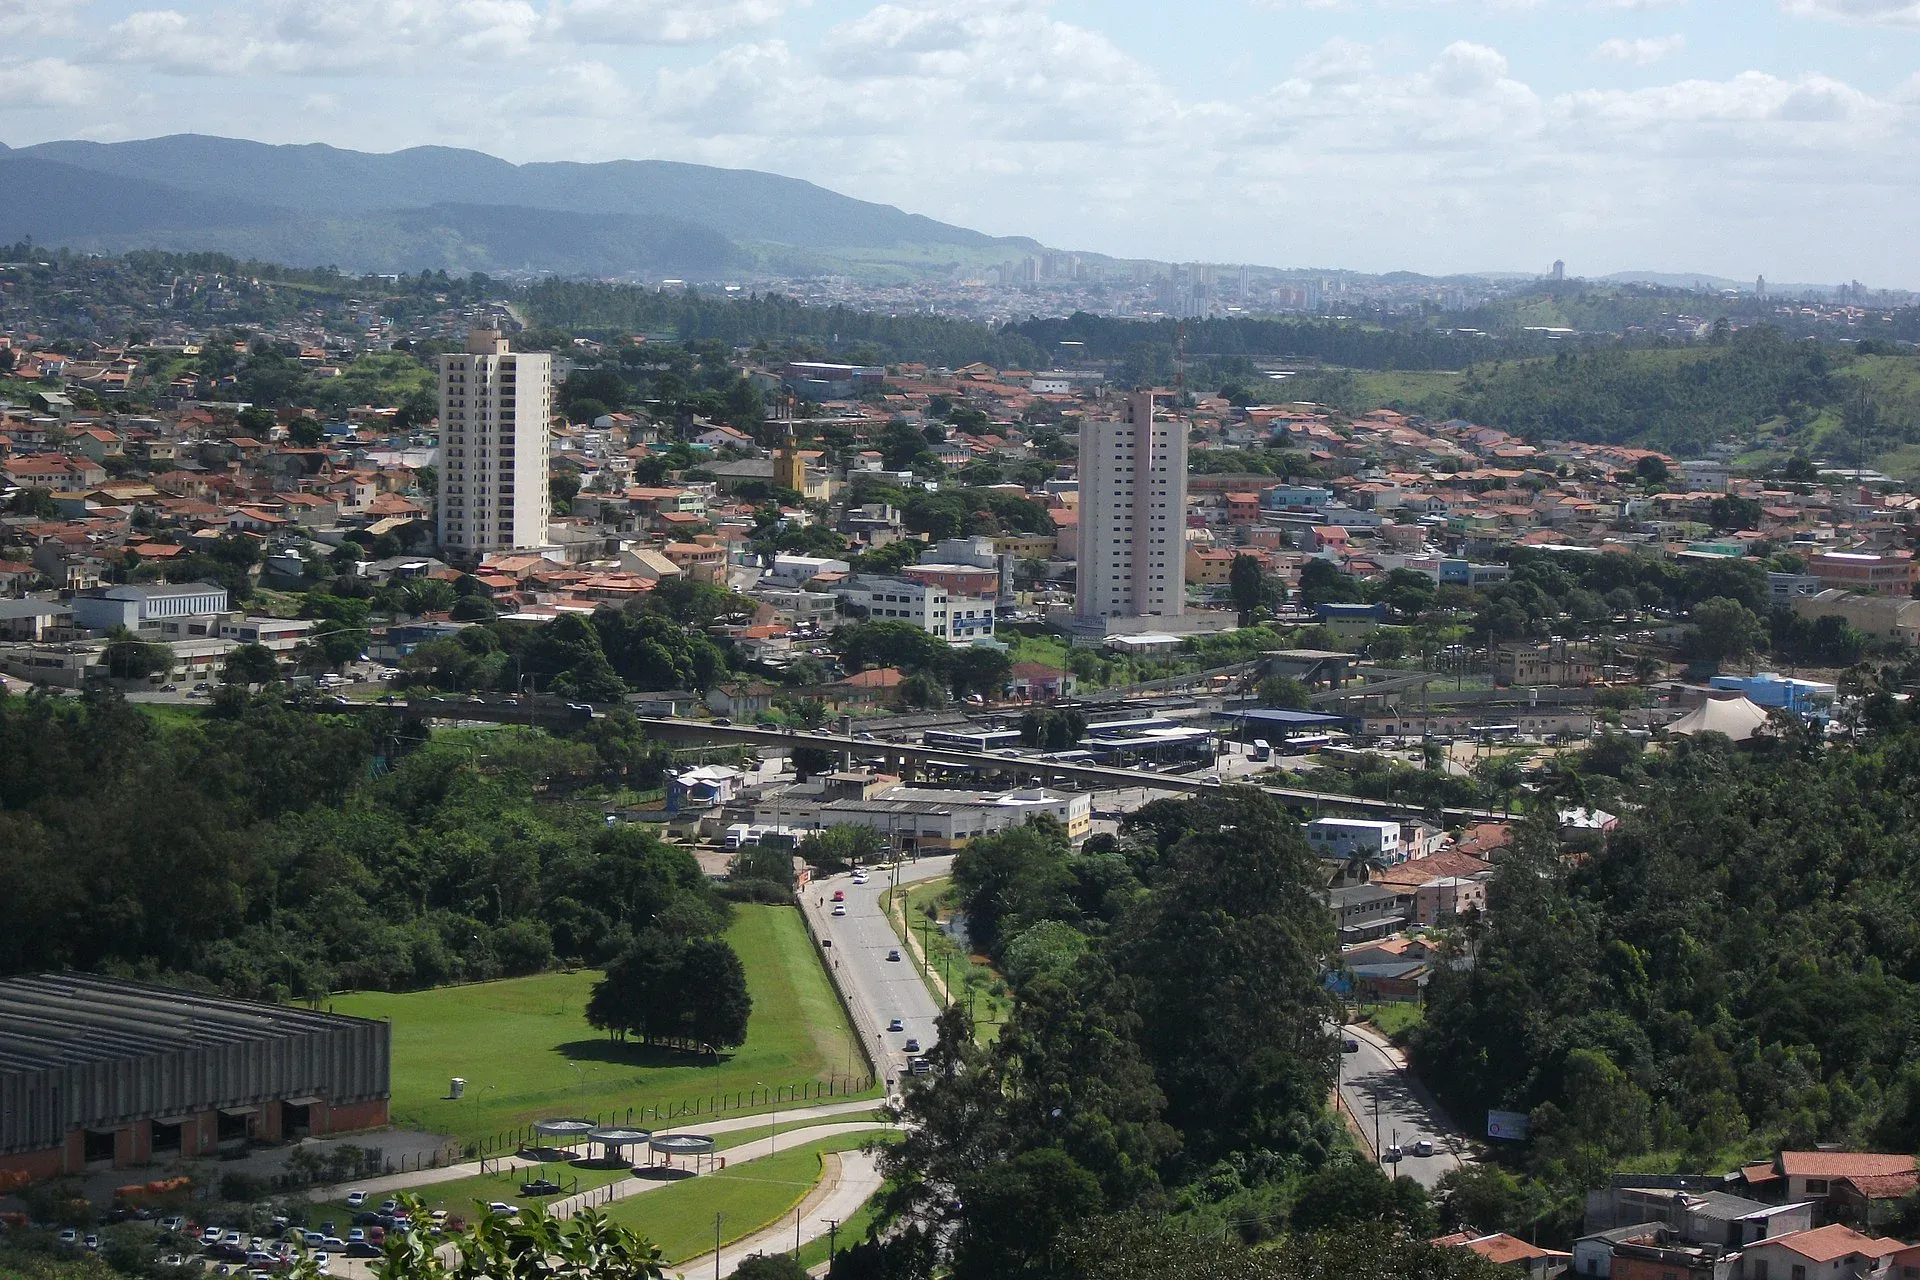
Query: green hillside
point(1755, 388)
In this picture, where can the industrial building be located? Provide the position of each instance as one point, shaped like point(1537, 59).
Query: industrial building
point(97, 1073)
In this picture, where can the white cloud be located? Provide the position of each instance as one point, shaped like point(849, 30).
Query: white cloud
point(308, 37)
point(35, 19)
point(45, 82)
point(1338, 61)
point(1641, 52)
point(1891, 13)
point(662, 21)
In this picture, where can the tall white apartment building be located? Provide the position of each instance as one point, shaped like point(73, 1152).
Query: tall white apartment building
point(1133, 515)
point(494, 406)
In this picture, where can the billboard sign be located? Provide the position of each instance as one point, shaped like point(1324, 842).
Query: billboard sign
point(1508, 1126)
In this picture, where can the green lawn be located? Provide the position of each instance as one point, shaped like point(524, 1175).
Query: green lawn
point(952, 961)
point(758, 1133)
point(525, 1050)
point(748, 1195)
point(1393, 1019)
point(170, 715)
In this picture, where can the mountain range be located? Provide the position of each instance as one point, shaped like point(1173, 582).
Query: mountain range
point(447, 208)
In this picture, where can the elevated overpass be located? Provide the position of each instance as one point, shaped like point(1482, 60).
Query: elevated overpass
point(902, 758)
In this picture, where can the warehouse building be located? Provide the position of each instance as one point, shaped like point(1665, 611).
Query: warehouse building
point(97, 1073)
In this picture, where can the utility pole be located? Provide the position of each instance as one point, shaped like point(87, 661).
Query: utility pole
point(833, 1235)
point(716, 1246)
point(1373, 1087)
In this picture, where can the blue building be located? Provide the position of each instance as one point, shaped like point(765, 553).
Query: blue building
point(1770, 689)
point(1283, 496)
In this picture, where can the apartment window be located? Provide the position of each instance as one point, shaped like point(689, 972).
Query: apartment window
point(1799, 1272)
point(1816, 1186)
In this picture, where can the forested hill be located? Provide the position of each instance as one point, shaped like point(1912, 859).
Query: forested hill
point(1756, 387)
point(444, 208)
point(1738, 969)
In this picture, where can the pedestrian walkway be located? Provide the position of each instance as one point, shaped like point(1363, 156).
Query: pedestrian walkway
point(387, 1184)
point(852, 1180)
point(848, 1184)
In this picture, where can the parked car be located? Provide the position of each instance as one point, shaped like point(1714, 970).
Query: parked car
point(1393, 1154)
point(919, 1066)
point(1423, 1148)
point(1351, 1046)
point(92, 1241)
point(174, 1223)
point(502, 1207)
point(69, 1236)
point(355, 1199)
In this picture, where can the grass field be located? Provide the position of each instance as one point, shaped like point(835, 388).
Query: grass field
point(170, 715)
point(952, 961)
point(525, 1050)
point(1393, 1019)
point(747, 1196)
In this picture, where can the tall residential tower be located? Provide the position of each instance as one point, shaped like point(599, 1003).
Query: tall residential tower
point(494, 406)
point(1133, 515)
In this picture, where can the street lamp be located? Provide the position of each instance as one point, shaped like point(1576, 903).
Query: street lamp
point(774, 1115)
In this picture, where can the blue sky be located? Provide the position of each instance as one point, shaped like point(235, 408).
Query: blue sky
point(1731, 136)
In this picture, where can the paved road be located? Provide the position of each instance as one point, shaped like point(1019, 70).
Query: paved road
point(878, 989)
point(1374, 1081)
point(850, 1180)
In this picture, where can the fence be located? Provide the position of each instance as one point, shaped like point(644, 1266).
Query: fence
point(509, 1141)
point(865, 1031)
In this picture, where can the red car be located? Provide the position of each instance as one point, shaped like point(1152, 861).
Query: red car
point(839, 895)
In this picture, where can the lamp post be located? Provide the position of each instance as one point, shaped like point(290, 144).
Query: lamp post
point(773, 1127)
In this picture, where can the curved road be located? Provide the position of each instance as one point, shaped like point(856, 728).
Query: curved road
point(878, 990)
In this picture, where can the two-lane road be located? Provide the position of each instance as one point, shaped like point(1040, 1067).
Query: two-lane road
point(879, 989)
point(1385, 1097)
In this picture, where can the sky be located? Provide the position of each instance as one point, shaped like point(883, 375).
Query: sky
point(1737, 137)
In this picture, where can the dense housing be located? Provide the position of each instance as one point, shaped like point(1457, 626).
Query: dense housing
point(98, 1073)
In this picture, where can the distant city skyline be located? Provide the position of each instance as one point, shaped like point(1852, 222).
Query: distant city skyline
point(1735, 139)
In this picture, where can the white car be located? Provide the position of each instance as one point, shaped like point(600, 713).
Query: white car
point(839, 908)
point(355, 1199)
point(502, 1207)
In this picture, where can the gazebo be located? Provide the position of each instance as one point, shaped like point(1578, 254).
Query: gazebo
point(691, 1145)
point(556, 1134)
point(614, 1143)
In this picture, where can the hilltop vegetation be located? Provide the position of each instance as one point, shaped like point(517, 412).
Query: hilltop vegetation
point(1737, 969)
point(1847, 404)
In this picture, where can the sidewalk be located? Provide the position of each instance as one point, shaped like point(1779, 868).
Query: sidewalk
point(627, 1188)
point(386, 1185)
point(837, 1197)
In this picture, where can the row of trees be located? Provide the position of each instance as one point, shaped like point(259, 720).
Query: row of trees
point(265, 850)
point(1164, 1072)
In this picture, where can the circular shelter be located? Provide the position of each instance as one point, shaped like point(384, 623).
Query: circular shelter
point(614, 1143)
point(689, 1146)
point(561, 1134)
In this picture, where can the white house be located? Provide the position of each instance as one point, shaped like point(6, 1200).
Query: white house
point(1343, 838)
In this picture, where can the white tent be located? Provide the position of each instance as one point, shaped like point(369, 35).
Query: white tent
point(1738, 718)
